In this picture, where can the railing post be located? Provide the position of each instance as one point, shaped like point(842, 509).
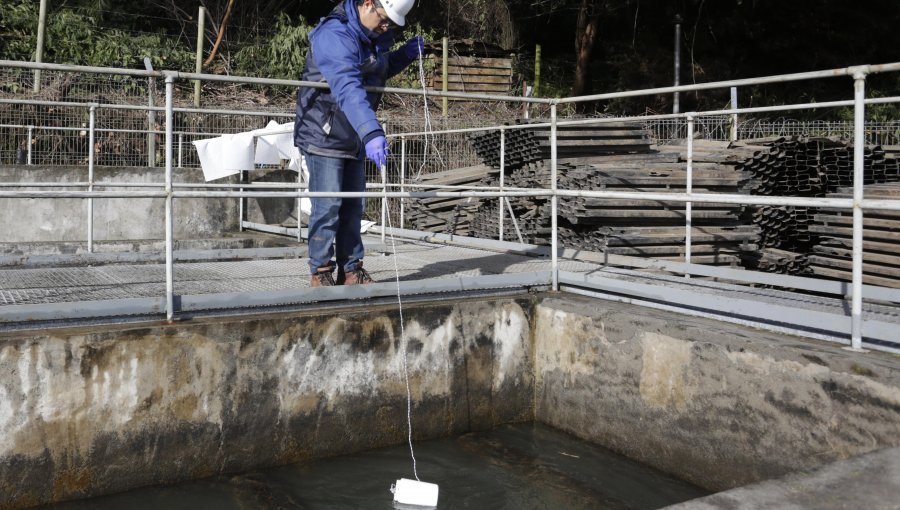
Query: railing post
point(299, 207)
point(688, 229)
point(402, 179)
point(170, 234)
point(39, 51)
point(444, 74)
point(859, 141)
point(734, 116)
point(30, 144)
point(180, 152)
point(554, 202)
point(198, 64)
point(502, 175)
point(90, 213)
point(151, 116)
point(241, 203)
point(384, 200)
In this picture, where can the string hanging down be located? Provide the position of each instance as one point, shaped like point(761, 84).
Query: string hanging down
point(411, 492)
point(405, 491)
point(428, 128)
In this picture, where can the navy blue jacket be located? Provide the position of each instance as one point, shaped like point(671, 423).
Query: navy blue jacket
point(348, 56)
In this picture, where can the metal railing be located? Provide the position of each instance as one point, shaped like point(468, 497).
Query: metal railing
point(857, 204)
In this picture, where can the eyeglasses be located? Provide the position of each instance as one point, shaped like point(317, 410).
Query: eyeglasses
point(384, 20)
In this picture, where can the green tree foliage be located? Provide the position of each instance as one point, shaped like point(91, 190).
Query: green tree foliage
point(81, 37)
point(281, 55)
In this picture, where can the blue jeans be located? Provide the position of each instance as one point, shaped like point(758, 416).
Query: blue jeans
point(334, 223)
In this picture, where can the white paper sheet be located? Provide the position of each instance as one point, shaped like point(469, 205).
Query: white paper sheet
point(226, 155)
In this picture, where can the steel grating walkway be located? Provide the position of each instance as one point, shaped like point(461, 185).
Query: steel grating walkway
point(416, 260)
point(214, 285)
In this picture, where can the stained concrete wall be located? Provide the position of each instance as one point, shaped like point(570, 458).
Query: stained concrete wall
point(717, 404)
point(35, 220)
point(93, 411)
point(87, 412)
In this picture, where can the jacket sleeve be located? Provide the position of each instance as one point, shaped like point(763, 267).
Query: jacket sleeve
point(397, 62)
point(336, 55)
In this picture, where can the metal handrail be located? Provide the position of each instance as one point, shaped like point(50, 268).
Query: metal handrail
point(857, 204)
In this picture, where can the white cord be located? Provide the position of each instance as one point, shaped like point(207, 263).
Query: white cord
point(403, 343)
point(428, 126)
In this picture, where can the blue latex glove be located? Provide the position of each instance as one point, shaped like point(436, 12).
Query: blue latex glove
point(377, 151)
point(413, 47)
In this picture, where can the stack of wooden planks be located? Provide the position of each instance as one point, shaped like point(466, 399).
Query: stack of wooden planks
point(485, 75)
point(632, 227)
point(446, 215)
point(832, 256)
point(523, 146)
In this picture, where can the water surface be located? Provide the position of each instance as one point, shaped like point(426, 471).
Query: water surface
point(515, 467)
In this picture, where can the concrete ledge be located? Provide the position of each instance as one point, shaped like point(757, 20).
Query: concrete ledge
point(88, 412)
point(65, 219)
point(719, 405)
point(868, 481)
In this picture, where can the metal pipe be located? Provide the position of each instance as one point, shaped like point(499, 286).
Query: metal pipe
point(676, 104)
point(746, 82)
point(445, 43)
point(30, 144)
point(383, 169)
point(688, 188)
point(241, 203)
point(151, 116)
point(502, 175)
point(39, 51)
point(299, 204)
point(180, 151)
point(859, 118)
point(90, 201)
point(198, 64)
point(554, 203)
point(170, 233)
point(709, 113)
point(734, 117)
point(831, 73)
point(402, 179)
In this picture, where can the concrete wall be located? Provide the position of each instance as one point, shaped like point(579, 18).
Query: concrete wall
point(87, 412)
point(30, 220)
point(91, 411)
point(716, 404)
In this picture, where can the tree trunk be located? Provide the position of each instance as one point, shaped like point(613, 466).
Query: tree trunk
point(585, 36)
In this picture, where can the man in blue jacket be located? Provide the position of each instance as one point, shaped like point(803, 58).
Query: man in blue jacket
point(336, 129)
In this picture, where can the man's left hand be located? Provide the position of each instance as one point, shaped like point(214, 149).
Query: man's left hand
point(414, 47)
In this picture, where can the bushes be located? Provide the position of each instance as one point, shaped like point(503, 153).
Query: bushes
point(76, 38)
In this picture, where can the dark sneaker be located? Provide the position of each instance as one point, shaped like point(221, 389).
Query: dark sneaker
point(322, 278)
point(358, 276)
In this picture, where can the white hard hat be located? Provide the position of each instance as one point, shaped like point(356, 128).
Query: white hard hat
point(397, 10)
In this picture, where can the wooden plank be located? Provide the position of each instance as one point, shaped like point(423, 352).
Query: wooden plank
point(479, 61)
point(838, 274)
point(471, 78)
point(868, 223)
point(836, 231)
point(700, 249)
point(876, 269)
point(867, 245)
point(477, 87)
point(475, 71)
point(847, 253)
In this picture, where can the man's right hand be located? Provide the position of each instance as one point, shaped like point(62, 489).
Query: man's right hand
point(377, 151)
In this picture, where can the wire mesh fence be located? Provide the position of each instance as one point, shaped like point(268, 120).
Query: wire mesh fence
point(719, 128)
point(43, 130)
